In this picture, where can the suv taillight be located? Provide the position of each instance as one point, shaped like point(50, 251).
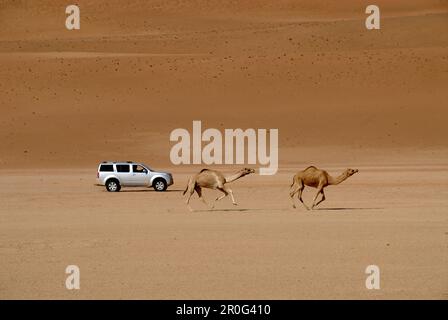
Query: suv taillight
point(97, 174)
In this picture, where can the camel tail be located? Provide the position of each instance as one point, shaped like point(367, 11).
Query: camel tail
point(294, 179)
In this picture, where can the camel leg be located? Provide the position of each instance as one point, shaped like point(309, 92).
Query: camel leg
point(231, 195)
point(321, 200)
point(226, 191)
point(199, 192)
point(190, 193)
point(319, 191)
point(222, 196)
point(300, 197)
point(294, 189)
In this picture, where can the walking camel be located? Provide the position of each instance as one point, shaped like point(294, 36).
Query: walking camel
point(213, 179)
point(316, 178)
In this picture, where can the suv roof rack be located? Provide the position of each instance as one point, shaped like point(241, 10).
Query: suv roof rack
point(109, 161)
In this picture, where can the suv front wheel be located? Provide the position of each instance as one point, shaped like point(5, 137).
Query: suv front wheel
point(159, 184)
point(112, 185)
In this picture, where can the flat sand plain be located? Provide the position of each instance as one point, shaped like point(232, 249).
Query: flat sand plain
point(143, 244)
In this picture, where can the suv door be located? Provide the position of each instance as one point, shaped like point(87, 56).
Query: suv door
point(124, 173)
point(140, 175)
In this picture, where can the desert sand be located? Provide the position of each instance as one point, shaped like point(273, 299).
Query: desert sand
point(340, 95)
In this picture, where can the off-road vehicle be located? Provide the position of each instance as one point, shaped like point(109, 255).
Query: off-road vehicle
point(115, 175)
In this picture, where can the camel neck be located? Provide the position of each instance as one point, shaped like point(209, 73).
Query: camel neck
point(338, 179)
point(234, 177)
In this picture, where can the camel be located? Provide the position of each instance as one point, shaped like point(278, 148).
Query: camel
point(213, 179)
point(316, 178)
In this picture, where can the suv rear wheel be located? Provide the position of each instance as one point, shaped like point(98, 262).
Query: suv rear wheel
point(159, 184)
point(112, 185)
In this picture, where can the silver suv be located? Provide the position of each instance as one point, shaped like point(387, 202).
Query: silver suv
point(115, 175)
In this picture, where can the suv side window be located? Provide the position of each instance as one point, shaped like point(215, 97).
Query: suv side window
point(106, 168)
point(138, 169)
point(123, 168)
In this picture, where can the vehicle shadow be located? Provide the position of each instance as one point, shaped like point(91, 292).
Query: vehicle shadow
point(151, 190)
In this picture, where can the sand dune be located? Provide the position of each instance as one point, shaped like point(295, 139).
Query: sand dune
point(384, 89)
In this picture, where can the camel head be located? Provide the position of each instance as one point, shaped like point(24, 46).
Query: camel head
point(247, 171)
point(350, 172)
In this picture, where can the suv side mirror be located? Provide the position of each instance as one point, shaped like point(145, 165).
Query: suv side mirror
point(145, 171)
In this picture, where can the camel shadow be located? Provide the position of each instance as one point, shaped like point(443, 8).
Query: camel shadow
point(343, 209)
point(228, 210)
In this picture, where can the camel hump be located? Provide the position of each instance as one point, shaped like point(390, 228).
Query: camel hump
point(204, 170)
point(310, 167)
